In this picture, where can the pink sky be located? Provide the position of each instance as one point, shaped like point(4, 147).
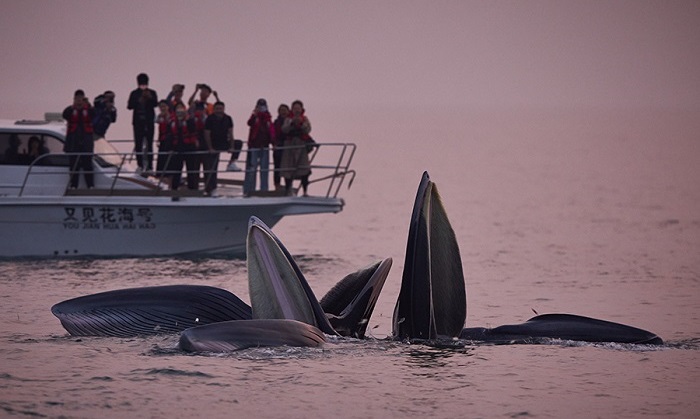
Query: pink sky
point(355, 54)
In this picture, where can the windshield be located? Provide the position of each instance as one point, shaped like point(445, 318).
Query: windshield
point(106, 155)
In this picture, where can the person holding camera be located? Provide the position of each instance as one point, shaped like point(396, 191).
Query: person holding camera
point(79, 139)
point(260, 137)
point(199, 111)
point(175, 96)
point(105, 114)
point(201, 104)
point(143, 102)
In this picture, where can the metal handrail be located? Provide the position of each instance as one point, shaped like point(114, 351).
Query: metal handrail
point(339, 168)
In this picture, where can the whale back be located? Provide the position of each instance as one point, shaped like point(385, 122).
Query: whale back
point(587, 329)
point(562, 326)
point(148, 310)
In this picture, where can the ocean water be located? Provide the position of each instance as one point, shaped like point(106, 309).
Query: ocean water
point(594, 213)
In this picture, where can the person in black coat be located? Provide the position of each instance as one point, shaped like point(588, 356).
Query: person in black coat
point(143, 102)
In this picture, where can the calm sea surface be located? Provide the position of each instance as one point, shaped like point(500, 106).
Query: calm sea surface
point(592, 213)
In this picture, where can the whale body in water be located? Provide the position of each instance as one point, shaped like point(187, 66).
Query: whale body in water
point(431, 304)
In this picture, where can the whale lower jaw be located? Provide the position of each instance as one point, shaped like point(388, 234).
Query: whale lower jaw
point(242, 334)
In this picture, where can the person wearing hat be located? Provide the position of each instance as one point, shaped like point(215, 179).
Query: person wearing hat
point(260, 138)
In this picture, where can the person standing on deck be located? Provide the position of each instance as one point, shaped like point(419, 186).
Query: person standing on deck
point(165, 146)
point(183, 137)
point(143, 101)
point(105, 114)
point(295, 160)
point(79, 139)
point(279, 143)
point(218, 136)
point(199, 110)
point(260, 136)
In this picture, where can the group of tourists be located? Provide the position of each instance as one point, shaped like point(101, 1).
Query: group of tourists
point(192, 136)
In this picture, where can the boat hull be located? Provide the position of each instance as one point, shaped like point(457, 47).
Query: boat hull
point(78, 226)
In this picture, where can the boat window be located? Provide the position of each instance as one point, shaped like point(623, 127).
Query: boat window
point(11, 146)
point(15, 149)
point(55, 147)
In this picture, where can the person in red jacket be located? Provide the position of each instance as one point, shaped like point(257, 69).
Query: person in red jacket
point(79, 139)
point(183, 134)
point(260, 137)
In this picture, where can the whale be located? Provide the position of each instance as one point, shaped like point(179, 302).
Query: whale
point(149, 310)
point(281, 301)
point(432, 300)
point(283, 310)
point(561, 326)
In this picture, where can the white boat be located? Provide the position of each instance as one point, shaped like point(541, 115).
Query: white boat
point(126, 214)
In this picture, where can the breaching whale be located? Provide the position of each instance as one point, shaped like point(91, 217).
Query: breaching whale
point(284, 311)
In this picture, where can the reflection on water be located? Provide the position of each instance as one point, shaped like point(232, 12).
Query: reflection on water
point(601, 220)
point(435, 357)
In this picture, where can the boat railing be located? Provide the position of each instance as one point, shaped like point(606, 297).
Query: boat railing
point(329, 164)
